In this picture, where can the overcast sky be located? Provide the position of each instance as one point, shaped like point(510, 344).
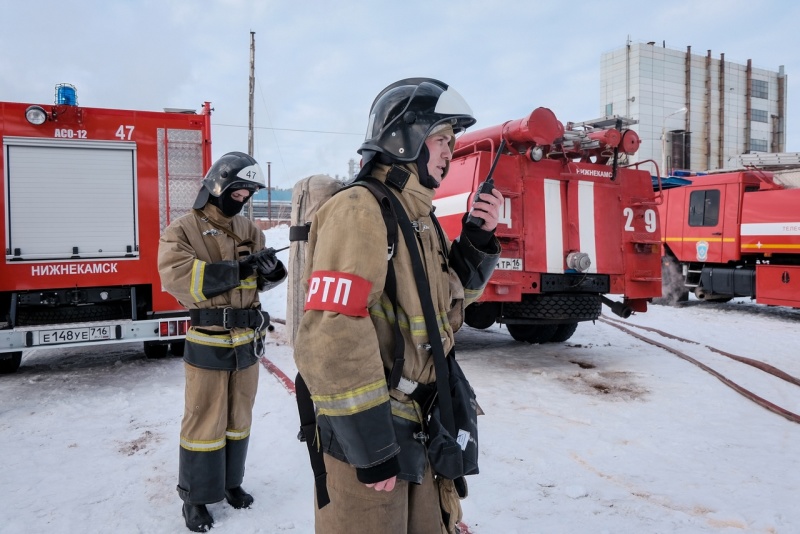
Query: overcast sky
point(320, 63)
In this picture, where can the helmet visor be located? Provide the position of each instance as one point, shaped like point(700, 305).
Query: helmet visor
point(452, 103)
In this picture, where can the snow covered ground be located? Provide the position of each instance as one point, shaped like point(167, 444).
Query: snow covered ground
point(601, 434)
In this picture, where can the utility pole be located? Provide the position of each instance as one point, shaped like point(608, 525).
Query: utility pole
point(252, 91)
point(269, 192)
point(250, 123)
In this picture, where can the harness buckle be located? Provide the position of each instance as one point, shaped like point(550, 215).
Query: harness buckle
point(225, 316)
point(419, 226)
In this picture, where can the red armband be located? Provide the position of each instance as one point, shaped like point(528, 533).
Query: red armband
point(338, 292)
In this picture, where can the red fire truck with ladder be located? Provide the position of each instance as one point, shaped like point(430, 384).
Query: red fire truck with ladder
point(85, 194)
point(732, 234)
point(577, 223)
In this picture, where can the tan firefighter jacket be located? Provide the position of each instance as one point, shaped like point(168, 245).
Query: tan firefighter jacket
point(345, 359)
point(198, 264)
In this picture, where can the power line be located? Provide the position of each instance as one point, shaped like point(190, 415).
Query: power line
point(288, 129)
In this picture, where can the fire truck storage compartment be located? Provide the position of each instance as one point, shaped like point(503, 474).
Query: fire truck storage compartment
point(778, 285)
point(70, 199)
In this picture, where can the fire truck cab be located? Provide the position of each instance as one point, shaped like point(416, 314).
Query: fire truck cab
point(731, 234)
point(85, 194)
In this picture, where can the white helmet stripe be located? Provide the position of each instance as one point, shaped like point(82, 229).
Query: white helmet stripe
point(252, 173)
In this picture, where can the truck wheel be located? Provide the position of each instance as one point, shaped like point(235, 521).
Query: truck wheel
point(155, 349)
point(564, 332)
point(176, 347)
point(9, 362)
point(561, 307)
point(532, 333)
point(481, 315)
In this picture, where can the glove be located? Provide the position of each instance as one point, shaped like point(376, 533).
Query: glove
point(266, 263)
point(247, 267)
point(480, 238)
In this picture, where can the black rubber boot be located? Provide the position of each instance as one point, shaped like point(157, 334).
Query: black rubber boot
point(238, 498)
point(197, 517)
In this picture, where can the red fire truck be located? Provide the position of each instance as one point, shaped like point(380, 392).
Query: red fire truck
point(732, 234)
point(577, 223)
point(85, 194)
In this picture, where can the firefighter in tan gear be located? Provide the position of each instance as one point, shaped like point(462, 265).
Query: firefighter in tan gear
point(378, 475)
point(213, 261)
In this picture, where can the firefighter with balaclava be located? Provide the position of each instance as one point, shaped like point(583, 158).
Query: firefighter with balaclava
point(378, 477)
point(213, 261)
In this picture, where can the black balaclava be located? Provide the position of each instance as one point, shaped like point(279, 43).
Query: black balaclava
point(227, 204)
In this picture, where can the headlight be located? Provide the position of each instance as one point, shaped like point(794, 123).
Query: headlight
point(536, 153)
point(36, 115)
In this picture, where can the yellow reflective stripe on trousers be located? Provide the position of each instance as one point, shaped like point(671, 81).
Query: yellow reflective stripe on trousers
point(196, 289)
point(354, 401)
point(224, 340)
point(236, 435)
point(406, 410)
point(202, 446)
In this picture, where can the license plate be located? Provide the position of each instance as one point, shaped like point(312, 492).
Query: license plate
point(509, 264)
point(74, 335)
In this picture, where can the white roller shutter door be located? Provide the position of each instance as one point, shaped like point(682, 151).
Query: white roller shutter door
point(70, 198)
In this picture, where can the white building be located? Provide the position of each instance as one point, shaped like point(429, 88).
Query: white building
point(695, 112)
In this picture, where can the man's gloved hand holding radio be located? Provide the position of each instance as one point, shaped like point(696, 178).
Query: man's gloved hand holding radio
point(265, 264)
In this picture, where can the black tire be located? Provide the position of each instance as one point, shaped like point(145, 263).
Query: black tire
point(532, 333)
point(176, 347)
point(481, 315)
point(9, 362)
point(155, 349)
point(564, 332)
point(558, 308)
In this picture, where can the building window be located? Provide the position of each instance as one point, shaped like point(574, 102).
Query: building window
point(609, 109)
point(680, 148)
point(760, 89)
point(759, 115)
point(704, 208)
point(758, 145)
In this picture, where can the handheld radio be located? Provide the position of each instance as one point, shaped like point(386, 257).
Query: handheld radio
point(487, 186)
